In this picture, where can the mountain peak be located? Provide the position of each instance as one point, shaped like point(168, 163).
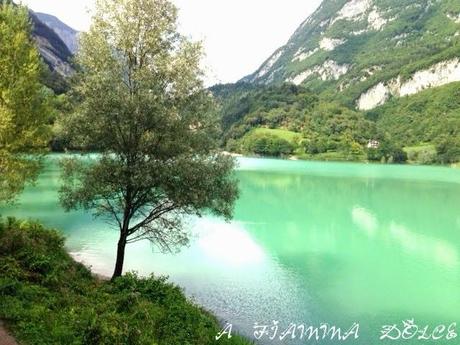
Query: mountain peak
point(350, 47)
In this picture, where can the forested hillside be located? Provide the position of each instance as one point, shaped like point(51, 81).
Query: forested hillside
point(292, 120)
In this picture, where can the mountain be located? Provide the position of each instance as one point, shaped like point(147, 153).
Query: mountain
point(53, 50)
point(67, 34)
point(367, 80)
point(55, 54)
point(365, 52)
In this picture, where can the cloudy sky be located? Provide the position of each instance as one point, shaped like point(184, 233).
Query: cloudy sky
point(238, 35)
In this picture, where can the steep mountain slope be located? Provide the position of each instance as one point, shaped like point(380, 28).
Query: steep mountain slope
point(53, 50)
point(364, 52)
point(55, 53)
point(67, 34)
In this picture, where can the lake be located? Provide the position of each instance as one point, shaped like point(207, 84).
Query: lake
point(311, 242)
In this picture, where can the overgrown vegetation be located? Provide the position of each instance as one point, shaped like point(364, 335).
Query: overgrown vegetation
point(268, 142)
point(47, 298)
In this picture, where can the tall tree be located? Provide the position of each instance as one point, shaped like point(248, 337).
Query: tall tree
point(144, 109)
point(23, 102)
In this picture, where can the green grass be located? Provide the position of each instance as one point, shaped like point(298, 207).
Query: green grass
point(290, 136)
point(48, 298)
point(332, 156)
point(419, 148)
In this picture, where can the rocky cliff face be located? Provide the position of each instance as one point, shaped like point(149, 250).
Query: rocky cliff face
point(442, 73)
point(67, 34)
point(54, 51)
point(367, 51)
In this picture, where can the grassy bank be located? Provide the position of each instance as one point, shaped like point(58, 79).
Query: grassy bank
point(48, 298)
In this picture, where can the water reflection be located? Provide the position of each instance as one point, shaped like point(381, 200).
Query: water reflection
point(228, 244)
point(365, 220)
point(428, 247)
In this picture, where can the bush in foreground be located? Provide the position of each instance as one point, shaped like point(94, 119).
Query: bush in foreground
point(48, 298)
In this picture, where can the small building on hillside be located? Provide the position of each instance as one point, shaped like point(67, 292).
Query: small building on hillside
point(373, 144)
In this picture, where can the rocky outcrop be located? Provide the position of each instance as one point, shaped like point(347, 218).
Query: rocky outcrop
point(269, 64)
point(329, 44)
point(355, 41)
point(303, 55)
point(437, 75)
point(53, 50)
point(353, 10)
point(454, 17)
point(67, 34)
point(329, 70)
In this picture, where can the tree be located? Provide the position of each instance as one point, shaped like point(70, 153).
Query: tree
point(24, 107)
point(448, 150)
point(144, 109)
point(387, 152)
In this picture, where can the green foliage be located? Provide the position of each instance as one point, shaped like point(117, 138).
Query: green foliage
point(387, 152)
point(244, 108)
point(414, 36)
point(285, 134)
point(47, 298)
point(448, 150)
point(333, 127)
point(24, 106)
point(422, 118)
point(422, 154)
point(310, 125)
point(425, 121)
point(55, 81)
point(266, 144)
point(144, 108)
point(426, 124)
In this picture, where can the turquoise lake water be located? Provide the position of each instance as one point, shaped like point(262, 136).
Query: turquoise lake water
point(311, 242)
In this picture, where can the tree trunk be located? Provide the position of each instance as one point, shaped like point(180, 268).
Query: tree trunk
point(120, 256)
point(124, 233)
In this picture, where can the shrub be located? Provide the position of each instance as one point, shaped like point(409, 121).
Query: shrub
point(47, 298)
point(448, 150)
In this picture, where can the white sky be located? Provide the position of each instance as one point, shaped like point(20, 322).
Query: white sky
point(238, 35)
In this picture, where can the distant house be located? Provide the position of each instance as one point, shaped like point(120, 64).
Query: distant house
point(373, 144)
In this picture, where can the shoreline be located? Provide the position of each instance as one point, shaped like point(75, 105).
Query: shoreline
point(310, 159)
point(290, 158)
